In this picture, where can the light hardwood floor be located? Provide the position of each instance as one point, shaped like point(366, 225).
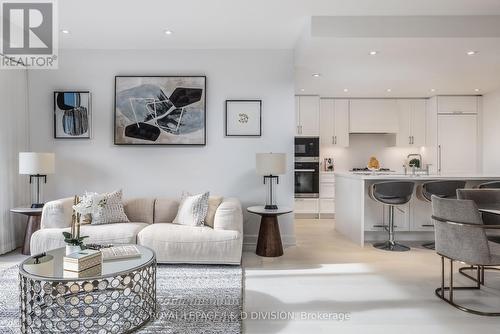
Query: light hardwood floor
point(325, 274)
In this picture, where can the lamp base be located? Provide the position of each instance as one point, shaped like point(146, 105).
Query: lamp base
point(271, 207)
point(37, 205)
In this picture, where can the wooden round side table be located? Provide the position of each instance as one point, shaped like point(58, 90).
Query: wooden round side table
point(33, 225)
point(269, 241)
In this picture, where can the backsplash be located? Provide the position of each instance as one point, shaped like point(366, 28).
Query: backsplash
point(363, 146)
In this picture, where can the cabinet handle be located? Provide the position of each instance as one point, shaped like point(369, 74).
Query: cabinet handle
point(409, 140)
point(333, 140)
point(439, 158)
point(300, 129)
point(412, 140)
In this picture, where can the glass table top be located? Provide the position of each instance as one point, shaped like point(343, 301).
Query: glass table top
point(50, 266)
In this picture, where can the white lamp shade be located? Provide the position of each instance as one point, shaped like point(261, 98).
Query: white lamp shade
point(271, 163)
point(33, 163)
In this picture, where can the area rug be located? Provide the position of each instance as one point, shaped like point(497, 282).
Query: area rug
point(190, 299)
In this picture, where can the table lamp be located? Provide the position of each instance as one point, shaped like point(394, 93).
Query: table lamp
point(270, 165)
point(37, 166)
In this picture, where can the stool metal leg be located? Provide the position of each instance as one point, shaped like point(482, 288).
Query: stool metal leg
point(391, 244)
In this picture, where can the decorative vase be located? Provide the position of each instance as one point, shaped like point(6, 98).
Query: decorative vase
point(70, 249)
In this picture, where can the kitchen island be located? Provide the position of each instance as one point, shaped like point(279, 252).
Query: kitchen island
point(358, 217)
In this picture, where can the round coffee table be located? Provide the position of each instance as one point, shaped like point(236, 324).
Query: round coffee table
point(118, 299)
point(269, 241)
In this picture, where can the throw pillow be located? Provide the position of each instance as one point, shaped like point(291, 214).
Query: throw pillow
point(213, 204)
point(192, 210)
point(108, 208)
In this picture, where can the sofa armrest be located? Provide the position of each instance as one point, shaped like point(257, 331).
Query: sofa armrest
point(229, 216)
point(57, 214)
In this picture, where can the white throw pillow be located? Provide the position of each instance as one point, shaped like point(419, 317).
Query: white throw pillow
point(107, 208)
point(192, 210)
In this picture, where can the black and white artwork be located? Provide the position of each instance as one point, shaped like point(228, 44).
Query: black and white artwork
point(72, 117)
point(243, 118)
point(160, 110)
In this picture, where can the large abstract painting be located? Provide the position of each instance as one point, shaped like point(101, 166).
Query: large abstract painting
point(72, 118)
point(160, 110)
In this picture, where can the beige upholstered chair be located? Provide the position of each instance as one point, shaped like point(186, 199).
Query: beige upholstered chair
point(460, 236)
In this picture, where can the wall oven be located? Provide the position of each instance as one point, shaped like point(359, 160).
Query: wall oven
point(307, 147)
point(307, 177)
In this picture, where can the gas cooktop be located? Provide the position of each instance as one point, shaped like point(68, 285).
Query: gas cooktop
point(365, 169)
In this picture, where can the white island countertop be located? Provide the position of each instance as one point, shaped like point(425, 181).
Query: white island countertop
point(423, 177)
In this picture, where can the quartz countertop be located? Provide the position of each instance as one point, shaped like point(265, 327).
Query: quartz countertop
point(398, 176)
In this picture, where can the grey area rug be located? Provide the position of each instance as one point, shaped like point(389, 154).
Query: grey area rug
point(190, 299)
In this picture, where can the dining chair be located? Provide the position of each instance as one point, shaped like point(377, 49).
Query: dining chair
point(490, 185)
point(461, 237)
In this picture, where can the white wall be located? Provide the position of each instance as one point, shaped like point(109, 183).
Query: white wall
point(363, 146)
point(491, 132)
point(13, 138)
point(224, 166)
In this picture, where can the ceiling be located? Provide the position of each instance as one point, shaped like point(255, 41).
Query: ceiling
point(409, 66)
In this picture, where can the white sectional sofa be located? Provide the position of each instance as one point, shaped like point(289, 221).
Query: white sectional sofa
point(151, 226)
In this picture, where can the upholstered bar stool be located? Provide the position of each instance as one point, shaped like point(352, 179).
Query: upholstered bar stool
point(490, 185)
point(441, 189)
point(391, 194)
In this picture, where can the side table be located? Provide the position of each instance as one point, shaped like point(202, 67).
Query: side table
point(269, 241)
point(33, 225)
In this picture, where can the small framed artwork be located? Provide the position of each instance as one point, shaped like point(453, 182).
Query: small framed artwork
point(243, 118)
point(72, 115)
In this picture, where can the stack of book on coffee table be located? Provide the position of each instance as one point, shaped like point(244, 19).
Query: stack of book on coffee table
point(85, 263)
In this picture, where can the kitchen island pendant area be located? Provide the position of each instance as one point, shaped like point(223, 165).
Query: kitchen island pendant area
point(359, 218)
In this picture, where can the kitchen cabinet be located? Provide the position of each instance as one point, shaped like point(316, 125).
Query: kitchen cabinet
point(412, 122)
point(457, 143)
point(307, 115)
point(458, 104)
point(306, 205)
point(326, 206)
point(373, 116)
point(334, 122)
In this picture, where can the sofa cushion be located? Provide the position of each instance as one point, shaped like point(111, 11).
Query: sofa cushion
point(119, 233)
point(191, 244)
point(165, 210)
point(140, 209)
point(213, 205)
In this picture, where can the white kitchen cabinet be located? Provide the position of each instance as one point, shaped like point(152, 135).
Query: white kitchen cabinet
point(412, 122)
point(334, 122)
point(306, 205)
point(420, 216)
point(457, 143)
point(327, 205)
point(327, 190)
point(458, 104)
point(307, 115)
point(373, 116)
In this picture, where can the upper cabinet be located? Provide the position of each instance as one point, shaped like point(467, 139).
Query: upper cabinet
point(412, 122)
point(458, 104)
point(373, 116)
point(334, 122)
point(307, 115)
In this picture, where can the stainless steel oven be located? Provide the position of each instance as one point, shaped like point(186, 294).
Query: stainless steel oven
point(307, 177)
point(307, 147)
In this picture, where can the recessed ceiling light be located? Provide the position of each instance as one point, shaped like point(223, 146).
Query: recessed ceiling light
point(302, 90)
point(168, 32)
point(65, 31)
point(346, 90)
point(373, 53)
point(433, 90)
point(316, 75)
point(471, 53)
point(477, 90)
point(389, 90)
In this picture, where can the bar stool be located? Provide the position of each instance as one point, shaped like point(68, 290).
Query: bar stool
point(490, 185)
point(392, 194)
point(442, 189)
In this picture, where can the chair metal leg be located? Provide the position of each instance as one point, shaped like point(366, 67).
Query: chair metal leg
point(480, 275)
point(440, 292)
point(391, 244)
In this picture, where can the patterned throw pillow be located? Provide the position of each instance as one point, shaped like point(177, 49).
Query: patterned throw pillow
point(108, 208)
point(192, 210)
